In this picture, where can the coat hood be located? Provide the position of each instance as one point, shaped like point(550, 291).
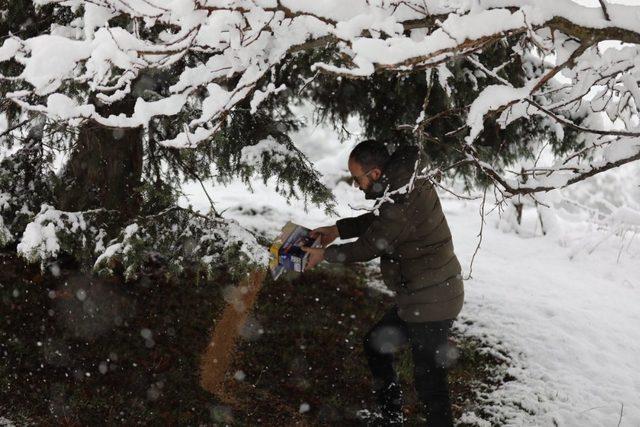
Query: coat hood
point(397, 172)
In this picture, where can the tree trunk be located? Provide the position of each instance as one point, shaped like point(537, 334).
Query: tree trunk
point(105, 167)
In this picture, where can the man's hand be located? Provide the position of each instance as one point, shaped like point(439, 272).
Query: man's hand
point(327, 234)
point(316, 255)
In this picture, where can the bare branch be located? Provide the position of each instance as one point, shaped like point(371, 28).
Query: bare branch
point(494, 176)
point(569, 123)
point(480, 234)
point(12, 128)
point(603, 4)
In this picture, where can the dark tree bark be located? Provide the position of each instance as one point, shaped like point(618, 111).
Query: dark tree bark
point(105, 167)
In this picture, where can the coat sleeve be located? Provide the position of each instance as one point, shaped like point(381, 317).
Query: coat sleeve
point(354, 227)
point(379, 238)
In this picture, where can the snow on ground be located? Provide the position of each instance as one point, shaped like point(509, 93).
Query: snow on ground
point(563, 307)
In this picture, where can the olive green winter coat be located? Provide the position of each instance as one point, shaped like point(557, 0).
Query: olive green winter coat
point(411, 236)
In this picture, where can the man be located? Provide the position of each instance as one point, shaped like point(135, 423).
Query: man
point(411, 236)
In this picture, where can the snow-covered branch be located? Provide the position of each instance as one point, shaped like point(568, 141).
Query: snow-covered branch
point(582, 62)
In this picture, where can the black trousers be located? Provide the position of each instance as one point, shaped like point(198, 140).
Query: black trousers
point(429, 342)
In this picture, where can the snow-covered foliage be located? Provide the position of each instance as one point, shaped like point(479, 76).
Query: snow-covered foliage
point(577, 77)
point(176, 238)
point(189, 71)
point(52, 232)
point(181, 238)
point(25, 185)
point(5, 234)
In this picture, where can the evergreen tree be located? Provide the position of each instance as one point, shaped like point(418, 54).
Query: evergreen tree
point(120, 178)
point(138, 98)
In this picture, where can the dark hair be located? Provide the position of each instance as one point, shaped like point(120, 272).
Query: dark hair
point(370, 154)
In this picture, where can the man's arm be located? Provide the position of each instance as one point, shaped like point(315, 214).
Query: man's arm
point(379, 237)
point(345, 229)
point(354, 227)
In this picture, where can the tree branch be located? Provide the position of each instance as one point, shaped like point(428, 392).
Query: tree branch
point(604, 10)
point(513, 191)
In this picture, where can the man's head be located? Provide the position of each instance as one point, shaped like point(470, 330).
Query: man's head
point(366, 163)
